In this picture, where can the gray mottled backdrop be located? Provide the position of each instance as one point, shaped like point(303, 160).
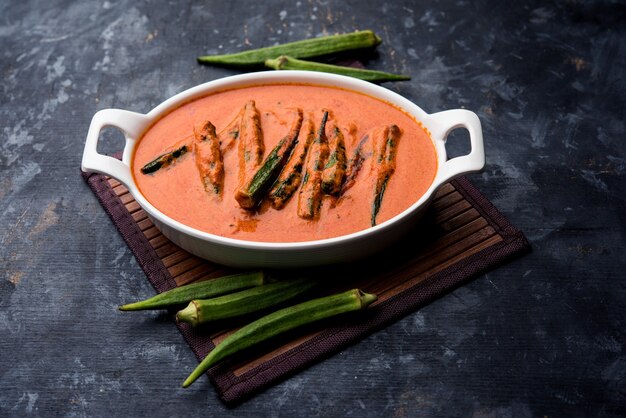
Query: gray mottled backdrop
point(543, 335)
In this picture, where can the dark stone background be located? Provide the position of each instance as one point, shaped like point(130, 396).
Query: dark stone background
point(541, 336)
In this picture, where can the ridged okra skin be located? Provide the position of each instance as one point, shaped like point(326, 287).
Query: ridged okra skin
point(310, 196)
point(385, 163)
point(253, 192)
point(250, 147)
point(282, 321)
point(202, 311)
point(165, 159)
point(209, 158)
point(290, 178)
point(334, 172)
point(308, 48)
point(201, 290)
point(285, 62)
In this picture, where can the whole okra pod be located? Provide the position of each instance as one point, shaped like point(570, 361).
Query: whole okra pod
point(209, 158)
point(241, 303)
point(253, 192)
point(202, 290)
point(280, 322)
point(387, 148)
point(308, 48)
point(310, 196)
point(285, 62)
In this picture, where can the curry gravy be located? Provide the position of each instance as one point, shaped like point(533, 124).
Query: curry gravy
point(178, 191)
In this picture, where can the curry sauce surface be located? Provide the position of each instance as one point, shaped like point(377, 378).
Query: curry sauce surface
point(178, 191)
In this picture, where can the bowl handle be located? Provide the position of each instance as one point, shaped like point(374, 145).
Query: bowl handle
point(131, 124)
point(447, 121)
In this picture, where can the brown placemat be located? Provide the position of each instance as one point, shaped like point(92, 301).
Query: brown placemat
point(461, 236)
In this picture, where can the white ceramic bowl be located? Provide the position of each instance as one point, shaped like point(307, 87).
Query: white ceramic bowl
point(240, 253)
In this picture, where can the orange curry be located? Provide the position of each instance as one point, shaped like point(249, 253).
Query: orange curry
point(284, 163)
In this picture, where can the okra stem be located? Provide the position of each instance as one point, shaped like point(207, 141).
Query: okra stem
point(240, 303)
point(202, 290)
point(280, 322)
point(285, 62)
point(307, 48)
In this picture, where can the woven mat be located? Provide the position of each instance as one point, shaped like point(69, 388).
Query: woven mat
point(461, 236)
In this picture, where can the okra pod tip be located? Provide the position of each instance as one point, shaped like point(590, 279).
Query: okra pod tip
point(200, 290)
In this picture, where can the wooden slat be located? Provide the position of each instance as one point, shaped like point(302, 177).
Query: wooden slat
point(151, 232)
point(445, 241)
point(126, 198)
point(444, 190)
point(449, 200)
point(427, 266)
point(145, 224)
point(243, 367)
point(452, 211)
point(120, 189)
point(159, 241)
point(445, 248)
point(176, 257)
point(198, 273)
point(114, 183)
point(449, 225)
point(140, 215)
point(184, 266)
point(133, 207)
point(468, 248)
point(166, 249)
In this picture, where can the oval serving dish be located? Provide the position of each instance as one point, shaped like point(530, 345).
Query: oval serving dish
point(246, 254)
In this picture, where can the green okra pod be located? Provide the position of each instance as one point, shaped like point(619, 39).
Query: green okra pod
point(240, 303)
point(310, 196)
point(386, 165)
point(209, 158)
point(334, 171)
point(202, 290)
point(252, 193)
point(280, 322)
point(308, 48)
point(251, 146)
point(285, 62)
point(164, 160)
point(289, 179)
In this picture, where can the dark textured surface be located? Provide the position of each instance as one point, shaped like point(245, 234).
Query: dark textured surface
point(543, 335)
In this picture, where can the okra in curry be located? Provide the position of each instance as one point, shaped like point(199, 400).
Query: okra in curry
point(284, 162)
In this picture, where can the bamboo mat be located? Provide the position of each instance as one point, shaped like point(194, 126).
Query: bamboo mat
point(461, 236)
